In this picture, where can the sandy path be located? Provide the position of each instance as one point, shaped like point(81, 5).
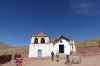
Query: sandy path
point(93, 60)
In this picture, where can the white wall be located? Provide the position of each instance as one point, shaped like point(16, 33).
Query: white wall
point(47, 39)
point(74, 46)
point(46, 49)
point(32, 39)
point(72, 42)
point(66, 46)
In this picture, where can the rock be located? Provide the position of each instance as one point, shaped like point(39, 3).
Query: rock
point(73, 53)
point(74, 59)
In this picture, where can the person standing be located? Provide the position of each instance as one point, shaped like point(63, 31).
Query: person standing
point(19, 60)
point(52, 55)
point(57, 56)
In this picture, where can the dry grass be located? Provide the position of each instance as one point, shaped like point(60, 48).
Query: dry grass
point(2, 45)
point(87, 43)
point(6, 51)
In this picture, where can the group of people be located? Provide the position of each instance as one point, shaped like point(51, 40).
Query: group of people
point(57, 56)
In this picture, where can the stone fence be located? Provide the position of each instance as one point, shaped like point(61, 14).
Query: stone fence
point(5, 58)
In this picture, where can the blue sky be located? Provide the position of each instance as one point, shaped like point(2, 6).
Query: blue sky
point(75, 19)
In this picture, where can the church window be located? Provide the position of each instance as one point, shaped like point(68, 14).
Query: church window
point(60, 41)
point(36, 40)
point(42, 40)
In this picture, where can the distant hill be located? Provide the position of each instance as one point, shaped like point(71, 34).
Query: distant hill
point(83, 43)
point(97, 38)
point(2, 45)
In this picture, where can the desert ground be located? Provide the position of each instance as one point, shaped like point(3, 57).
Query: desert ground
point(93, 60)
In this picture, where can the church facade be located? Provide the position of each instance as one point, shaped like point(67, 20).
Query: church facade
point(42, 46)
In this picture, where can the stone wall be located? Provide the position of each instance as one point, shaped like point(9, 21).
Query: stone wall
point(87, 49)
point(5, 58)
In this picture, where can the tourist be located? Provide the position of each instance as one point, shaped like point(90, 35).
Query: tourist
point(19, 60)
point(57, 56)
point(52, 55)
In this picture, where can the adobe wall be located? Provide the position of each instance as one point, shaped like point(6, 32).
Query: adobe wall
point(87, 49)
point(5, 58)
point(23, 54)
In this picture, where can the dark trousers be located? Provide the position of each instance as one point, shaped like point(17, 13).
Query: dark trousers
point(52, 58)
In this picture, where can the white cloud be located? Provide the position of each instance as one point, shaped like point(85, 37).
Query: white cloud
point(81, 7)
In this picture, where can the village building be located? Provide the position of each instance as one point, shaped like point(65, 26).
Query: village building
point(42, 46)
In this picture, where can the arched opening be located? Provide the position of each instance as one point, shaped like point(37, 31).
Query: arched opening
point(36, 40)
point(42, 40)
point(99, 44)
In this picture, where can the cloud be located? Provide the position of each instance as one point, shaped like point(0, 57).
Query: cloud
point(84, 7)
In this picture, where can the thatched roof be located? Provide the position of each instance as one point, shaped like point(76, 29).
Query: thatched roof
point(59, 38)
point(41, 35)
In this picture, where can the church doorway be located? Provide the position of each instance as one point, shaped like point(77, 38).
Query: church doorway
point(39, 53)
point(61, 48)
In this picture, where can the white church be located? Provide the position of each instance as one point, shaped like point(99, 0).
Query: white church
point(42, 46)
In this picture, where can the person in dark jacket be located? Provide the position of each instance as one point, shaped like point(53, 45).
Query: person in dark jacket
point(52, 55)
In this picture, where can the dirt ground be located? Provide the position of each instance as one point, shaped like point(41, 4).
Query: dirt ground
point(93, 60)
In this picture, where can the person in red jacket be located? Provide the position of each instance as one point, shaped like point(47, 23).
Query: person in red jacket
point(19, 60)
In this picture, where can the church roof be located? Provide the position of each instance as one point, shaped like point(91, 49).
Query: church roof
point(41, 35)
point(59, 37)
